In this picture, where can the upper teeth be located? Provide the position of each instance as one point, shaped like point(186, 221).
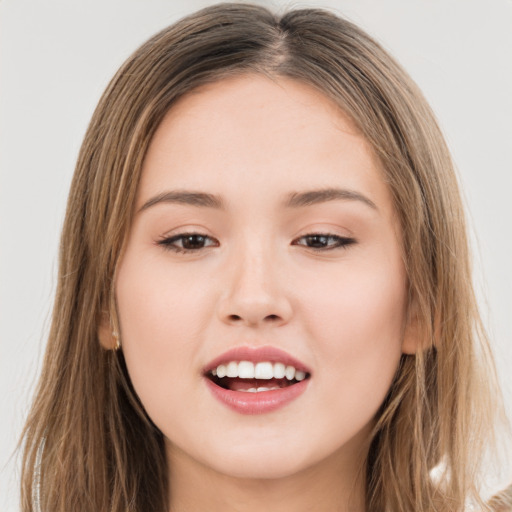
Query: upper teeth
point(263, 370)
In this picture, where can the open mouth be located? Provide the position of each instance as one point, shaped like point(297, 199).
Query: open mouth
point(268, 382)
point(249, 377)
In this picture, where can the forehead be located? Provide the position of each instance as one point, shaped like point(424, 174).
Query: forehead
point(249, 134)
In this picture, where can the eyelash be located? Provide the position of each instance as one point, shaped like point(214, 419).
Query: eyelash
point(341, 242)
point(168, 242)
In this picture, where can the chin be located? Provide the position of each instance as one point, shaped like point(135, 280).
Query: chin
point(262, 468)
point(268, 460)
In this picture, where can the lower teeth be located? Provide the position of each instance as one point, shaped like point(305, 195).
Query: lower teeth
point(233, 384)
point(257, 390)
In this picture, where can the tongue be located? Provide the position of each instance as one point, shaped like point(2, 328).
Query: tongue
point(236, 384)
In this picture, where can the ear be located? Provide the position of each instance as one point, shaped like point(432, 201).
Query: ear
point(105, 335)
point(412, 338)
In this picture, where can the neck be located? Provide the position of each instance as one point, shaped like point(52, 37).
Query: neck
point(331, 486)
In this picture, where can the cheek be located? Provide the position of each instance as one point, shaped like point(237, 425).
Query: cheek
point(357, 319)
point(161, 323)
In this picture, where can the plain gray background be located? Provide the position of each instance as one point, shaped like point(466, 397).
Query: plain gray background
point(56, 57)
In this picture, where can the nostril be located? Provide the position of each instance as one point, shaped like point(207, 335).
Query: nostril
point(237, 318)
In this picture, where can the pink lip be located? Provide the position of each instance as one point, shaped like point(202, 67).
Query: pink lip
point(256, 403)
point(255, 355)
point(262, 402)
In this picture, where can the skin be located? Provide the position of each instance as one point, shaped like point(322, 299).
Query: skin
point(257, 281)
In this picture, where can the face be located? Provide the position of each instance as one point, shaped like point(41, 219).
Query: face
point(263, 233)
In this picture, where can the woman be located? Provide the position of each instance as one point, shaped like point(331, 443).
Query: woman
point(264, 291)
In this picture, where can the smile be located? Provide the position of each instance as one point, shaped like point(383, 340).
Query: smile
point(252, 386)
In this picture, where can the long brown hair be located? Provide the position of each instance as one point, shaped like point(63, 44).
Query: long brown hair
point(89, 444)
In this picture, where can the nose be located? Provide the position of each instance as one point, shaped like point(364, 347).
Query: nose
point(254, 295)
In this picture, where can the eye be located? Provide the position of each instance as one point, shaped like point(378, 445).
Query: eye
point(324, 241)
point(187, 242)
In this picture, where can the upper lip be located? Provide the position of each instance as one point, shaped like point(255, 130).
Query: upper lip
point(255, 355)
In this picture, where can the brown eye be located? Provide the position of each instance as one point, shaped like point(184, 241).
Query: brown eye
point(187, 242)
point(193, 241)
point(324, 241)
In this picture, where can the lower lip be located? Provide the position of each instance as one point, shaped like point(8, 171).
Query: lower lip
point(257, 403)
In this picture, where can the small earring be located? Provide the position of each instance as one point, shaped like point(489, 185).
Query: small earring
point(118, 343)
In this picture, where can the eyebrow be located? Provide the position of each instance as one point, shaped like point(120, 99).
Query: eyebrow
point(191, 198)
point(308, 198)
point(293, 200)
